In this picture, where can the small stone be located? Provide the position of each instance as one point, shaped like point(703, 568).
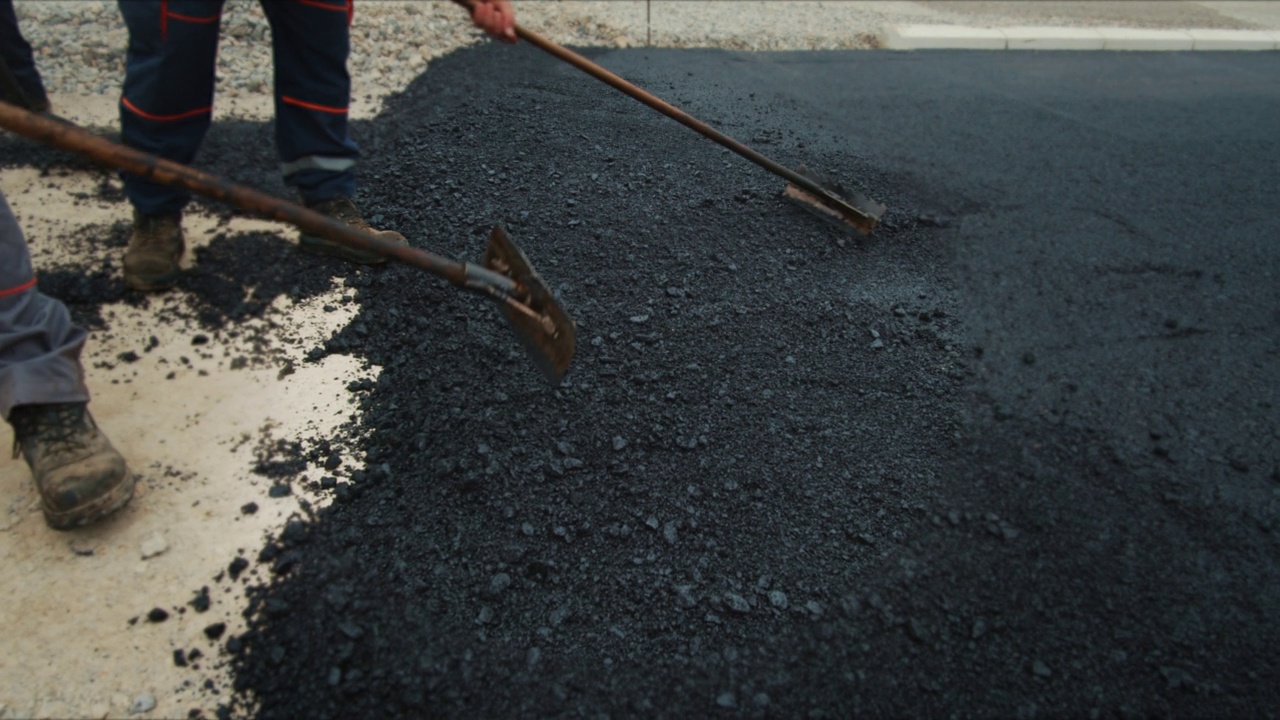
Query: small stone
point(877, 344)
point(215, 631)
point(142, 704)
point(814, 608)
point(727, 700)
point(81, 548)
point(154, 545)
point(249, 508)
point(737, 603)
point(778, 599)
point(670, 534)
point(236, 567)
point(652, 522)
point(157, 615)
point(1040, 669)
point(280, 490)
point(619, 442)
point(498, 583)
point(180, 657)
point(761, 699)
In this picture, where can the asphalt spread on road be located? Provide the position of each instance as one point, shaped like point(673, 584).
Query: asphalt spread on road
point(1015, 454)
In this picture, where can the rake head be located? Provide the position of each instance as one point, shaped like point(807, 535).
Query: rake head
point(541, 324)
point(846, 210)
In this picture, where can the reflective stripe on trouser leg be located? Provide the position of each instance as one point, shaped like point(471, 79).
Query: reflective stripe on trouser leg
point(317, 162)
point(311, 44)
point(39, 346)
point(167, 101)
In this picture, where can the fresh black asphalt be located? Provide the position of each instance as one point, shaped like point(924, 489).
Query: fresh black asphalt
point(1014, 455)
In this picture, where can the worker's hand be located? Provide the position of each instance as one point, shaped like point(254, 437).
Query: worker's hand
point(495, 17)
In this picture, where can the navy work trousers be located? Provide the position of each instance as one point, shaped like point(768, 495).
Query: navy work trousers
point(167, 103)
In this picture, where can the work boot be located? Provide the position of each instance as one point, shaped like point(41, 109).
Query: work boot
point(342, 208)
point(80, 476)
point(155, 249)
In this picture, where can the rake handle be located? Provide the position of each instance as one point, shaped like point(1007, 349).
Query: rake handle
point(105, 152)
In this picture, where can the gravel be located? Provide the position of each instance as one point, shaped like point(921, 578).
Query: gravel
point(80, 45)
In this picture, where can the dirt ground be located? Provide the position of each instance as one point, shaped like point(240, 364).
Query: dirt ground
point(191, 421)
point(998, 460)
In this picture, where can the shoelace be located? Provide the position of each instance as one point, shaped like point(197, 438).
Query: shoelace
point(56, 425)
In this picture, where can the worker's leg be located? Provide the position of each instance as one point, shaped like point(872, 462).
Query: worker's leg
point(39, 346)
point(165, 110)
point(167, 102)
point(80, 476)
point(311, 42)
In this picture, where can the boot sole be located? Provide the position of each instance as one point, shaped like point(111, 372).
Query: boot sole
point(328, 249)
point(94, 511)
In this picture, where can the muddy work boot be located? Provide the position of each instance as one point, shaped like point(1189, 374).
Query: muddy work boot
point(155, 249)
point(345, 210)
point(80, 476)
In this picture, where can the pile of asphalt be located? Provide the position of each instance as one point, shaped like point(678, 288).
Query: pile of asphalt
point(789, 474)
point(687, 522)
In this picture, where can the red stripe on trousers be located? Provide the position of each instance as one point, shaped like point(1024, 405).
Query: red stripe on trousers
point(312, 106)
point(21, 288)
point(164, 118)
point(194, 19)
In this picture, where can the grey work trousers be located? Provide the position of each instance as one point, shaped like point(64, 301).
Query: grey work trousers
point(39, 345)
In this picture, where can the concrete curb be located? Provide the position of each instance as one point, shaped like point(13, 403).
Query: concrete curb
point(963, 37)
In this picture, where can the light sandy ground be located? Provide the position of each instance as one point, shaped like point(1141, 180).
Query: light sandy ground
point(68, 598)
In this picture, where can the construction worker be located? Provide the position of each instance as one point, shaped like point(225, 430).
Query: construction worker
point(80, 476)
point(167, 104)
point(20, 82)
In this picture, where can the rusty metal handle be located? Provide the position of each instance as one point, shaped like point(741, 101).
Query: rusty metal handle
point(70, 137)
point(686, 119)
point(683, 118)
